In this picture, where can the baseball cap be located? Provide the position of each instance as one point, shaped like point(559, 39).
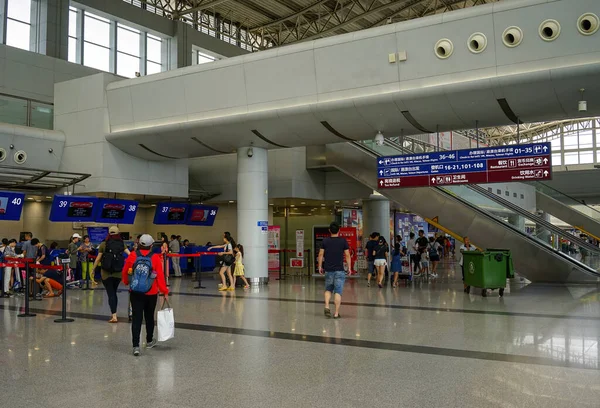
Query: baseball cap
point(76, 235)
point(146, 240)
point(114, 230)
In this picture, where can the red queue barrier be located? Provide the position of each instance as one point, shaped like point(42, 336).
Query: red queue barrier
point(197, 255)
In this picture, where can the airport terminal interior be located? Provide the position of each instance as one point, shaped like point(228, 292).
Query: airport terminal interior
point(300, 203)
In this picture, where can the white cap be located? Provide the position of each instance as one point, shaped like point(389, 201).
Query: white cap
point(76, 235)
point(146, 240)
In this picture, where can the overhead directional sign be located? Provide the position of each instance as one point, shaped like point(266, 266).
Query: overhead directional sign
point(171, 213)
point(72, 208)
point(116, 211)
point(473, 166)
point(202, 215)
point(11, 205)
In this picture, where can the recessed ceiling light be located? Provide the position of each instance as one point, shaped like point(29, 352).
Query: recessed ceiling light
point(322, 205)
point(48, 198)
point(356, 203)
point(30, 198)
point(38, 201)
point(153, 205)
point(292, 205)
point(303, 202)
point(337, 202)
point(231, 201)
point(271, 204)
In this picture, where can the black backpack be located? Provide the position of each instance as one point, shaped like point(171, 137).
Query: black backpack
point(112, 258)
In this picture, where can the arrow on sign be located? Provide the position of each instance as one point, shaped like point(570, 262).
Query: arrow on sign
point(433, 180)
point(545, 148)
point(381, 172)
point(380, 161)
point(546, 173)
point(381, 182)
point(545, 160)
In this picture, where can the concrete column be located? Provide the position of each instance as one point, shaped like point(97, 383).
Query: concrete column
point(253, 211)
point(180, 50)
point(50, 28)
point(517, 221)
point(3, 4)
point(376, 216)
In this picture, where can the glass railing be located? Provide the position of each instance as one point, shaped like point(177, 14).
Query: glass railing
point(547, 235)
point(26, 112)
point(567, 200)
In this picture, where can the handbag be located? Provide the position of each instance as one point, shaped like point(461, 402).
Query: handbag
point(228, 259)
point(166, 322)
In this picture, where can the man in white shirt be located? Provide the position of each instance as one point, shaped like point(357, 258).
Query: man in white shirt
point(466, 246)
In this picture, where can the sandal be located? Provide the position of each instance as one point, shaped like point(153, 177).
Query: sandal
point(327, 313)
point(113, 320)
point(339, 316)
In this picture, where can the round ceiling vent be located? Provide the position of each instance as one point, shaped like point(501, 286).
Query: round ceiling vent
point(2, 154)
point(20, 157)
point(549, 30)
point(588, 24)
point(477, 43)
point(444, 48)
point(512, 36)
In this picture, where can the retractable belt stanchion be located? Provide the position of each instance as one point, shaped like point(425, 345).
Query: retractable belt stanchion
point(165, 270)
point(25, 263)
point(64, 266)
point(17, 265)
point(198, 265)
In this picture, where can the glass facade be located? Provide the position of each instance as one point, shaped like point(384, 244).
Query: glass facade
point(18, 24)
point(573, 143)
point(26, 112)
point(107, 45)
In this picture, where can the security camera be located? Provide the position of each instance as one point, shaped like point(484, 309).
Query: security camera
point(250, 152)
point(379, 139)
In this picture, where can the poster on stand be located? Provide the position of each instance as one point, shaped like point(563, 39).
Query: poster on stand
point(353, 218)
point(299, 243)
point(274, 243)
point(407, 223)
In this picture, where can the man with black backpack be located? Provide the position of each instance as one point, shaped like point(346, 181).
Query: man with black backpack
point(143, 272)
point(111, 258)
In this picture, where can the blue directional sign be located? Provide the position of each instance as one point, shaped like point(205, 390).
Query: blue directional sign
point(171, 213)
point(116, 211)
point(11, 205)
point(481, 165)
point(72, 208)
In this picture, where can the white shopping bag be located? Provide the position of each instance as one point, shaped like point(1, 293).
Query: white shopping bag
point(166, 322)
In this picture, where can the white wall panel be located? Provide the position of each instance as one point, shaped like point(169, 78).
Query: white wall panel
point(355, 64)
point(214, 89)
point(155, 101)
point(269, 79)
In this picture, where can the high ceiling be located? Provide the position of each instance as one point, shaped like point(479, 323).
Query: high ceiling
point(277, 22)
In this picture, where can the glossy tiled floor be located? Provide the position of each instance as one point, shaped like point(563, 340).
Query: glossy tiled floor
point(425, 345)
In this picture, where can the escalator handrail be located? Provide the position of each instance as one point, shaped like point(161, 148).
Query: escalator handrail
point(521, 211)
point(585, 268)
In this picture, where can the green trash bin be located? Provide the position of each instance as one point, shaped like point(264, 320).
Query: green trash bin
point(488, 269)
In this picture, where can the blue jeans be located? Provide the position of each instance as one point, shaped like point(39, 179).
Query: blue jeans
point(371, 267)
point(334, 281)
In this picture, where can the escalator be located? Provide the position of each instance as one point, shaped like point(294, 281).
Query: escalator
point(567, 209)
point(469, 210)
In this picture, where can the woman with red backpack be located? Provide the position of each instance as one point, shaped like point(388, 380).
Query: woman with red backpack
point(143, 272)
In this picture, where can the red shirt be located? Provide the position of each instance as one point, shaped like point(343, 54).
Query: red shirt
point(157, 265)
